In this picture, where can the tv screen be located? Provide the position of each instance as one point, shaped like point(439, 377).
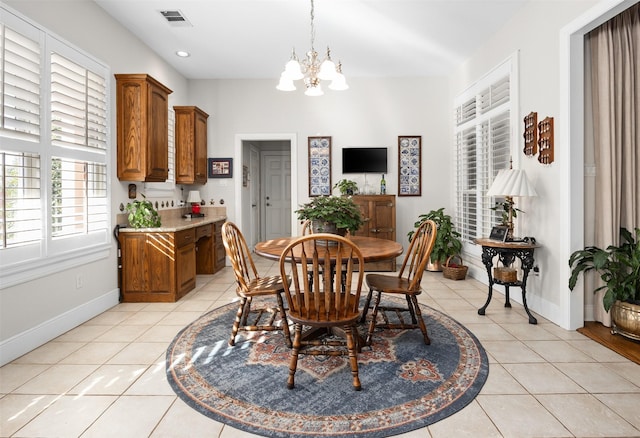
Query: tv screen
point(364, 160)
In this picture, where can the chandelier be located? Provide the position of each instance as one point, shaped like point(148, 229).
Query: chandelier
point(312, 71)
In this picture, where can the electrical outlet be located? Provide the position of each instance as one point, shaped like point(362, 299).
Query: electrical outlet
point(79, 281)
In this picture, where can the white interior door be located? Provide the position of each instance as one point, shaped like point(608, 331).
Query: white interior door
point(276, 169)
point(254, 195)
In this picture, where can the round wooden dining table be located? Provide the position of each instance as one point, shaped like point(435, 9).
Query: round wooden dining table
point(372, 248)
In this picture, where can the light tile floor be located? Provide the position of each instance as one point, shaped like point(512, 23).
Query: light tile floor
point(106, 378)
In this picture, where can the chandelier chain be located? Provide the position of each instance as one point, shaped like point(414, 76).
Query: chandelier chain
point(313, 30)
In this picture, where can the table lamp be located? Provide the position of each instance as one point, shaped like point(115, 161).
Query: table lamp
point(511, 183)
point(194, 199)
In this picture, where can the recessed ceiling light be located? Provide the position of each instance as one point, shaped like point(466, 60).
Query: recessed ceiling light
point(183, 54)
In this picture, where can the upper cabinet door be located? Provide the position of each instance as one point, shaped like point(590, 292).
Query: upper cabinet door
point(142, 128)
point(191, 145)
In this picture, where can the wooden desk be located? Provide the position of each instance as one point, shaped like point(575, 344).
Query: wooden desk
point(372, 248)
point(507, 252)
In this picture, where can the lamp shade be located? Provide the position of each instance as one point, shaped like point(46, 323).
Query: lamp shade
point(194, 197)
point(512, 182)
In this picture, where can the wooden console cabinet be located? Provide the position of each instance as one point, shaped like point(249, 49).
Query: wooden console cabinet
point(142, 128)
point(191, 145)
point(162, 266)
point(379, 215)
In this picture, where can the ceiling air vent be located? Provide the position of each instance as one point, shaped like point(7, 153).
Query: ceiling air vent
point(175, 18)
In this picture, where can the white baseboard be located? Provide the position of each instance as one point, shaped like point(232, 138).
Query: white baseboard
point(32, 338)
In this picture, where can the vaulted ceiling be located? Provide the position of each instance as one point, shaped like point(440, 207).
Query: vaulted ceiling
point(372, 38)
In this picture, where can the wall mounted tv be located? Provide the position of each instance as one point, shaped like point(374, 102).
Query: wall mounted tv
point(364, 160)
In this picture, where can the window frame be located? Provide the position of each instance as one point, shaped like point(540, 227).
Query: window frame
point(24, 263)
point(485, 170)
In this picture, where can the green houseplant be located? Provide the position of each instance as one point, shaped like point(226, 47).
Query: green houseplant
point(142, 214)
point(448, 241)
point(346, 187)
point(619, 269)
point(325, 211)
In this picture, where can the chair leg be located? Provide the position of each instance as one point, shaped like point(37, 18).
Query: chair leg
point(353, 357)
point(366, 307)
point(293, 363)
point(411, 311)
point(423, 327)
point(285, 322)
point(236, 322)
point(374, 316)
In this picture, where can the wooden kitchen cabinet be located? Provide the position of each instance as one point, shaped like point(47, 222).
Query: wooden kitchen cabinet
point(379, 215)
point(142, 128)
point(210, 251)
point(157, 267)
point(191, 145)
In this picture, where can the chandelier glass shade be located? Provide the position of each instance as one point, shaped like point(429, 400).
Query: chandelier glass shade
point(312, 70)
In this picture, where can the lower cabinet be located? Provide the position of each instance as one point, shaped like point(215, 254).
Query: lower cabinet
point(162, 267)
point(210, 254)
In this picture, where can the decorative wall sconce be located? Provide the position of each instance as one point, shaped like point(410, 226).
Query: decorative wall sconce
point(545, 141)
point(531, 134)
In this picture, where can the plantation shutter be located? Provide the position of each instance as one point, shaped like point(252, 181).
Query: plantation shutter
point(21, 219)
point(78, 124)
point(483, 147)
point(20, 93)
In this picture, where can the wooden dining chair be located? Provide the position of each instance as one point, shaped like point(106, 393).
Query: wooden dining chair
point(321, 304)
point(249, 285)
point(406, 283)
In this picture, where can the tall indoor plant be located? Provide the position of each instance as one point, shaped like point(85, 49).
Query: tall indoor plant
point(448, 241)
point(619, 269)
point(331, 212)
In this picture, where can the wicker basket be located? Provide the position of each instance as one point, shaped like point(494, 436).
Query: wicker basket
point(505, 274)
point(454, 271)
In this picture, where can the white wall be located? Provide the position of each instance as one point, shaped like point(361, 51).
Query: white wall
point(536, 33)
point(36, 311)
point(372, 113)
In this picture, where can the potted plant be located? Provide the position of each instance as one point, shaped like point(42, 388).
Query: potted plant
point(448, 241)
point(142, 214)
point(329, 213)
point(346, 187)
point(619, 268)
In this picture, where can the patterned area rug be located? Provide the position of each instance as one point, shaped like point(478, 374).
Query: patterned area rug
point(406, 385)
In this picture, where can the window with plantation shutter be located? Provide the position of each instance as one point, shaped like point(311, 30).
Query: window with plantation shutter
point(483, 138)
point(54, 174)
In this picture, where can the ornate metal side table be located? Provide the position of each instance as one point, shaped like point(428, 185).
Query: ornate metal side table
point(507, 252)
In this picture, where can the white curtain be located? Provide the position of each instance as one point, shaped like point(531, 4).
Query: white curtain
point(615, 91)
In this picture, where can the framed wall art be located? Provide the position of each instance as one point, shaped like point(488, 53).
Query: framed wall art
point(410, 165)
point(319, 166)
point(220, 167)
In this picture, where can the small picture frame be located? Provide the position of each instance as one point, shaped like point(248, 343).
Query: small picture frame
point(499, 233)
point(220, 167)
point(245, 176)
point(409, 165)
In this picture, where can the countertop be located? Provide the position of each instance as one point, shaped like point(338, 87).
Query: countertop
point(171, 225)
